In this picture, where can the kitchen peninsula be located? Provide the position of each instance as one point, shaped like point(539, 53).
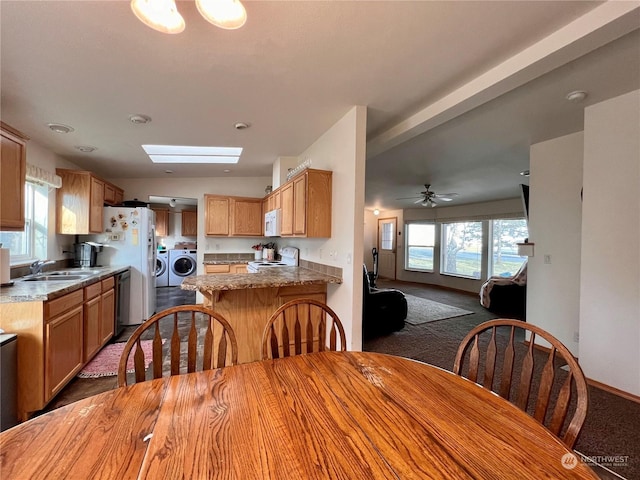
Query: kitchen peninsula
point(247, 300)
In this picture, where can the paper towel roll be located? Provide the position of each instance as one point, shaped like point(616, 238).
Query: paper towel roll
point(5, 263)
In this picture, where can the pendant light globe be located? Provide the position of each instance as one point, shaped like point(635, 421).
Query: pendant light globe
point(227, 14)
point(161, 15)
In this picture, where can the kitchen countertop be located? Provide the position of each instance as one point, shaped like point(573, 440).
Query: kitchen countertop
point(265, 278)
point(22, 291)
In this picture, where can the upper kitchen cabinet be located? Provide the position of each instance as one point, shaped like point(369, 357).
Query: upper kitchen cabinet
point(189, 223)
point(80, 202)
point(306, 205)
point(233, 216)
point(246, 217)
point(112, 194)
point(162, 221)
point(13, 166)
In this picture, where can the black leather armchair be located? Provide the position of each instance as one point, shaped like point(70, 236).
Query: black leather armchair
point(384, 310)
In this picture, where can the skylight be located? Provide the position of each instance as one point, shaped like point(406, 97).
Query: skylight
point(189, 154)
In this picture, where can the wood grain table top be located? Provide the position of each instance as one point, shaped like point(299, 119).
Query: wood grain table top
point(331, 415)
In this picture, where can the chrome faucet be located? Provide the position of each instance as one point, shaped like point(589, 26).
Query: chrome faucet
point(36, 267)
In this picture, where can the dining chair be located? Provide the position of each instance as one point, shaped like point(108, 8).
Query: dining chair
point(200, 326)
point(302, 324)
point(552, 386)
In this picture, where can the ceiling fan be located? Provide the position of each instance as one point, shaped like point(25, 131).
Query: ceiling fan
point(427, 197)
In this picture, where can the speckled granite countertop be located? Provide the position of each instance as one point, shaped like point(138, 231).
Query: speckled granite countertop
point(227, 258)
point(22, 291)
point(272, 277)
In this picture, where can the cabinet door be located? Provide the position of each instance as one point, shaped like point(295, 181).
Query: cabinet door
point(216, 215)
point(239, 268)
point(92, 339)
point(109, 194)
point(119, 196)
point(222, 268)
point(162, 221)
point(12, 177)
point(107, 317)
point(246, 217)
point(189, 223)
point(63, 350)
point(300, 205)
point(286, 199)
point(96, 206)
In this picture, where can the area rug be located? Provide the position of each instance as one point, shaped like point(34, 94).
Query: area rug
point(421, 310)
point(105, 363)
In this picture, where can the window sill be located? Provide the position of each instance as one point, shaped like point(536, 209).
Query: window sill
point(478, 279)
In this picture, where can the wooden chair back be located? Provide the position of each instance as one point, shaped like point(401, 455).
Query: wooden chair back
point(219, 341)
point(302, 326)
point(558, 357)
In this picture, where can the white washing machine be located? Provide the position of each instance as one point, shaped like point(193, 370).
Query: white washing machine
point(162, 269)
point(182, 264)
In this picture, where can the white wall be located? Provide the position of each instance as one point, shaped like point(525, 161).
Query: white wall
point(610, 277)
point(555, 212)
point(342, 150)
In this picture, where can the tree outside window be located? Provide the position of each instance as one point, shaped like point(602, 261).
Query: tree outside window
point(462, 249)
point(505, 235)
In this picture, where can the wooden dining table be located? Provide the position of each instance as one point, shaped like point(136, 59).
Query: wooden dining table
point(329, 415)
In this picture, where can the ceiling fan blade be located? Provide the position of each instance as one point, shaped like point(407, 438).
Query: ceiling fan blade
point(408, 198)
point(442, 195)
point(420, 200)
point(445, 199)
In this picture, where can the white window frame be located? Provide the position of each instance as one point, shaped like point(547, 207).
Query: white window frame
point(490, 262)
point(433, 247)
point(443, 250)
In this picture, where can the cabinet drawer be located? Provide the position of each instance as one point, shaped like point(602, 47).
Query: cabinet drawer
point(217, 268)
point(62, 304)
point(108, 284)
point(92, 290)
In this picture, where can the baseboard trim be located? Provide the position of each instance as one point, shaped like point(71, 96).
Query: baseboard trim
point(595, 383)
point(614, 390)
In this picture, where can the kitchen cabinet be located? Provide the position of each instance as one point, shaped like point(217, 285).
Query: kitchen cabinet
point(272, 202)
point(112, 194)
point(189, 223)
point(246, 217)
point(306, 205)
point(226, 268)
point(53, 341)
point(13, 167)
point(108, 310)
point(162, 221)
point(233, 216)
point(63, 342)
point(80, 202)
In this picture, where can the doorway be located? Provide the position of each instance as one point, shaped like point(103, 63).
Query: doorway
point(387, 228)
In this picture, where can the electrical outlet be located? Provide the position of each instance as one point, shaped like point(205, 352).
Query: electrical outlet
point(576, 337)
point(217, 246)
point(319, 253)
point(348, 259)
point(547, 259)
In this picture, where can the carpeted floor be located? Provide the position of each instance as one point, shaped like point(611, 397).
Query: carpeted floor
point(421, 310)
point(612, 426)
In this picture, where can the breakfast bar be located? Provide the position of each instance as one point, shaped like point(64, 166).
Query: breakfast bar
point(247, 300)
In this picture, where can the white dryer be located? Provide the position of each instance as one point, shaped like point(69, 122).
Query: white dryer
point(162, 268)
point(182, 264)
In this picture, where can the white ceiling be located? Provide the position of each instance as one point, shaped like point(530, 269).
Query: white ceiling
point(456, 91)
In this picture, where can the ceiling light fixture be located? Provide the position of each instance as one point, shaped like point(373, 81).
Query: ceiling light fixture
point(168, 171)
point(191, 154)
point(172, 202)
point(60, 128)
point(139, 119)
point(163, 15)
point(85, 148)
point(241, 125)
point(376, 212)
point(577, 96)
point(524, 173)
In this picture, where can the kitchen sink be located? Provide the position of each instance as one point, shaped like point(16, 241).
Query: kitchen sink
point(55, 278)
point(67, 273)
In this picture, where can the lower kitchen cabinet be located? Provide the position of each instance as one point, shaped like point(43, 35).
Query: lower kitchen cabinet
point(226, 268)
point(108, 312)
point(92, 310)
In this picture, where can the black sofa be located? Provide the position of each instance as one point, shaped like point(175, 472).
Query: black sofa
point(384, 310)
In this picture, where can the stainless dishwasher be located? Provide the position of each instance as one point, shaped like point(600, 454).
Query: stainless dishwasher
point(123, 293)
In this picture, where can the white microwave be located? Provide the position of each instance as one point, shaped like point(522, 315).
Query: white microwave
point(272, 223)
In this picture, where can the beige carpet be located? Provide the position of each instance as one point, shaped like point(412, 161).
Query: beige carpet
point(421, 310)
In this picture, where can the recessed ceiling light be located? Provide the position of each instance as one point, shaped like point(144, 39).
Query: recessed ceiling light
point(241, 125)
point(226, 170)
point(168, 171)
point(577, 96)
point(191, 154)
point(85, 148)
point(139, 119)
point(524, 173)
point(60, 128)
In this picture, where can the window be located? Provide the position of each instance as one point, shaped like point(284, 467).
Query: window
point(462, 249)
point(387, 235)
point(31, 243)
point(420, 242)
point(505, 234)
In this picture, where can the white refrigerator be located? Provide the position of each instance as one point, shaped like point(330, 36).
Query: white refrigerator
point(130, 240)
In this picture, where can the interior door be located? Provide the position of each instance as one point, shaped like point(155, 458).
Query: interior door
point(387, 247)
